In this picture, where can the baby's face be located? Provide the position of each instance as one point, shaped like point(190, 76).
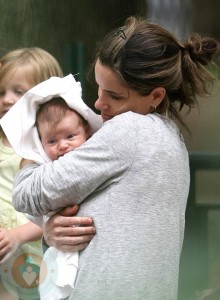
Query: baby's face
point(12, 87)
point(66, 136)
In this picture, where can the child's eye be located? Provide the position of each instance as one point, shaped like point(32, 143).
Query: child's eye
point(20, 92)
point(2, 93)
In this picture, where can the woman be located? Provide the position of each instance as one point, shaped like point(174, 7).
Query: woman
point(132, 176)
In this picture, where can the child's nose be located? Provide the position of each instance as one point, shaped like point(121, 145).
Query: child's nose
point(9, 99)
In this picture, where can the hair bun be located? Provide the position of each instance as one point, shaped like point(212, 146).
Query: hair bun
point(209, 45)
point(201, 49)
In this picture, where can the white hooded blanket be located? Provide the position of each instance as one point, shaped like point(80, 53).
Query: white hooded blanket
point(19, 122)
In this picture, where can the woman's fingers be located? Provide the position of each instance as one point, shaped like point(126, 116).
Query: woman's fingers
point(69, 211)
point(71, 243)
point(73, 248)
point(58, 220)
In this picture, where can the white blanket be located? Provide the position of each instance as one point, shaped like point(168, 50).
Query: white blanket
point(19, 122)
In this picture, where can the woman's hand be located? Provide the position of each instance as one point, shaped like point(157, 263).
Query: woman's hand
point(69, 233)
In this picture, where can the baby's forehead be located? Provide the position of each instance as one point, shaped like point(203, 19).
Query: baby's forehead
point(69, 121)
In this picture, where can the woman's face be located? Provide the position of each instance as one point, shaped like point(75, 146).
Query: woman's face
point(115, 98)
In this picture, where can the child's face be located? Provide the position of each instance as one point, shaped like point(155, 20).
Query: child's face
point(12, 87)
point(66, 136)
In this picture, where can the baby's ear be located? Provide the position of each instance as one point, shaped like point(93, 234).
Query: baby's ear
point(88, 131)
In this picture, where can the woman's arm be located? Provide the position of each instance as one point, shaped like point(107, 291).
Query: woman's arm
point(101, 161)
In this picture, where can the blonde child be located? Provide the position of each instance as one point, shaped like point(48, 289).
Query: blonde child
point(20, 70)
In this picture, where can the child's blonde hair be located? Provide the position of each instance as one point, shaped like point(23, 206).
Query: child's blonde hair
point(40, 64)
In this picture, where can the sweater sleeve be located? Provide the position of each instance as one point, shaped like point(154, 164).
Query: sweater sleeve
point(103, 160)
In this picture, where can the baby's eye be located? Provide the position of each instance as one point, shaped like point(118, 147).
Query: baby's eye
point(51, 142)
point(70, 136)
point(2, 93)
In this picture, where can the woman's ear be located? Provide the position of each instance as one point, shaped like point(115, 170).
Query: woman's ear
point(158, 94)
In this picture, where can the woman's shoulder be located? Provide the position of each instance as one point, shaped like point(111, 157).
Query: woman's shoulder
point(152, 125)
point(129, 117)
point(151, 119)
point(129, 124)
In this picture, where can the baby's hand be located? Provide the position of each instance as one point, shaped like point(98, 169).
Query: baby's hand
point(25, 162)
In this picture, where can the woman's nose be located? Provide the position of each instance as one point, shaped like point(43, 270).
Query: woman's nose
point(100, 103)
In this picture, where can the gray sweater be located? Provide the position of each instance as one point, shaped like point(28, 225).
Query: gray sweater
point(132, 178)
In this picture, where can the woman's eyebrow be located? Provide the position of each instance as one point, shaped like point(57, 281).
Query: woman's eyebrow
point(114, 92)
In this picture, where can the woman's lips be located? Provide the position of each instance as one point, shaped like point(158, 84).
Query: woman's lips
point(106, 117)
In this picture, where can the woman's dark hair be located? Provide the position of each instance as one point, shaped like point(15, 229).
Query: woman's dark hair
point(145, 56)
